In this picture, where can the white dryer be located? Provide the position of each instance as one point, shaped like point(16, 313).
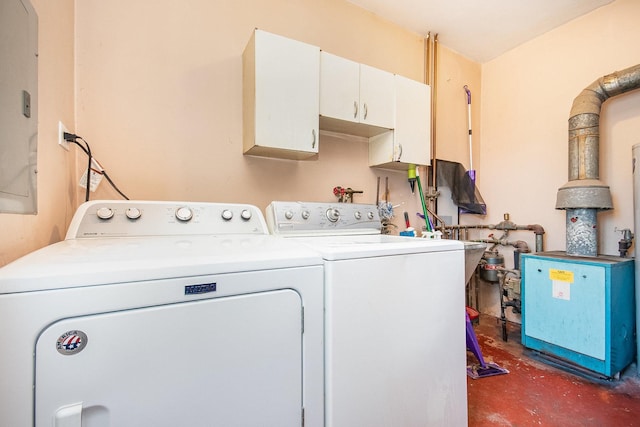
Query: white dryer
point(163, 314)
point(395, 351)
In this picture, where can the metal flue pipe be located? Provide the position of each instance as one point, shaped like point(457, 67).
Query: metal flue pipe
point(584, 194)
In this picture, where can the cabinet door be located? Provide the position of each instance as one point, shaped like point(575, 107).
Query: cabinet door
point(339, 87)
point(377, 96)
point(282, 96)
point(412, 126)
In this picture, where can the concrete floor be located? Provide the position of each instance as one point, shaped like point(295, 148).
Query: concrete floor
point(538, 394)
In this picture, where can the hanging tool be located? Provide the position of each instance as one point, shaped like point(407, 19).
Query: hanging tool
point(424, 205)
point(411, 177)
point(385, 209)
point(386, 189)
point(471, 172)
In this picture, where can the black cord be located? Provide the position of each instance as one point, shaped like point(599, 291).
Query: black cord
point(115, 187)
point(87, 192)
point(87, 150)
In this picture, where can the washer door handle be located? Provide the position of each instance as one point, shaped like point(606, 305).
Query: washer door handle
point(69, 416)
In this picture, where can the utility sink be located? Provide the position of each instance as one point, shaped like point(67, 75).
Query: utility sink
point(472, 254)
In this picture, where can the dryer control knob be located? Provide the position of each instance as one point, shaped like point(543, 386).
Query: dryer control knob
point(184, 214)
point(358, 215)
point(245, 214)
point(333, 214)
point(288, 215)
point(370, 215)
point(105, 213)
point(227, 215)
point(305, 214)
point(133, 213)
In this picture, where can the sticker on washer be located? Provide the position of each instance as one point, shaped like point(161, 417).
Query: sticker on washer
point(71, 342)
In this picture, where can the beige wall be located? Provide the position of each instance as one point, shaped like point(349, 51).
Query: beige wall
point(24, 233)
point(160, 102)
point(159, 97)
point(527, 95)
point(157, 94)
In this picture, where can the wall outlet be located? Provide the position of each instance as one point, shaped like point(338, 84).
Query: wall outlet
point(61, 141)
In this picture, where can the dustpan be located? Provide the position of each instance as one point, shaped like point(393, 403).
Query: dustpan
point(482, 369)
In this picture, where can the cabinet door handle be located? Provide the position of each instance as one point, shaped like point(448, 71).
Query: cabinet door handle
point(313, 138)
point(355, 109)
point(366, 110)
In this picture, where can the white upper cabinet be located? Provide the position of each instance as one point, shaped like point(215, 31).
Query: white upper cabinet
point(291, 90)
point(377, 96)
point(355, 98)
point(409, 143)
point(339, 87)
point(281, 97)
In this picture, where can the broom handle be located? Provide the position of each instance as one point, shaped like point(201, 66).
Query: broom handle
point(466, 89)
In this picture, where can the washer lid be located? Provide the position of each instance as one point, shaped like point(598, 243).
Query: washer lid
point(363, 246)
point(88, 262)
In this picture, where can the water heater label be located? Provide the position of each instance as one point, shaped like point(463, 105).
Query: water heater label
point(561, 290)
point(561, 275)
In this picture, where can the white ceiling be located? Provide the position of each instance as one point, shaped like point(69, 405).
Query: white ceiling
point(480, 29)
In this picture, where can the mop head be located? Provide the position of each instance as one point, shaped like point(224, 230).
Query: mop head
point(489, 370)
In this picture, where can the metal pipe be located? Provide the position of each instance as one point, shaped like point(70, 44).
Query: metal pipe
point(584, 194)
point(433, 214)
point(434, 99)
point(537, 229)
point(427, 59)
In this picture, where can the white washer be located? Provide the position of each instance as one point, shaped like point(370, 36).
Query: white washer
point(395, 352)
point(163, 314)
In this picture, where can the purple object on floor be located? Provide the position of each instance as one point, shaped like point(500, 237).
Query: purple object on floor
point(483, 369)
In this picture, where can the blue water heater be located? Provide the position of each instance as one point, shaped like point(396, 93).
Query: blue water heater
point(580, 309)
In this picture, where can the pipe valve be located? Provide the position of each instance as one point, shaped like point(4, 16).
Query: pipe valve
point(625, 242)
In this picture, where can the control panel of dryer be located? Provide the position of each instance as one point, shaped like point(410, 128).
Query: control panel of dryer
point(315, 218)
point(117, 218)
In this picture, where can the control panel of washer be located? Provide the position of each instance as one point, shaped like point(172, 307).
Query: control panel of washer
point(103, 218)
point(313, 218)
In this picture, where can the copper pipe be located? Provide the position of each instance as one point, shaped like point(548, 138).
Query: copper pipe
point(427, 59)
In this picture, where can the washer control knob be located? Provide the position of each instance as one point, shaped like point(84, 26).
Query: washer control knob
point(370, 215)
point(133, 213)
point(288, 215)
point(184, 214)
point(105, 213)
point(333, 214)
point(226, 214)
point(245, 214)
point(305, 214)
point(358, 215)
